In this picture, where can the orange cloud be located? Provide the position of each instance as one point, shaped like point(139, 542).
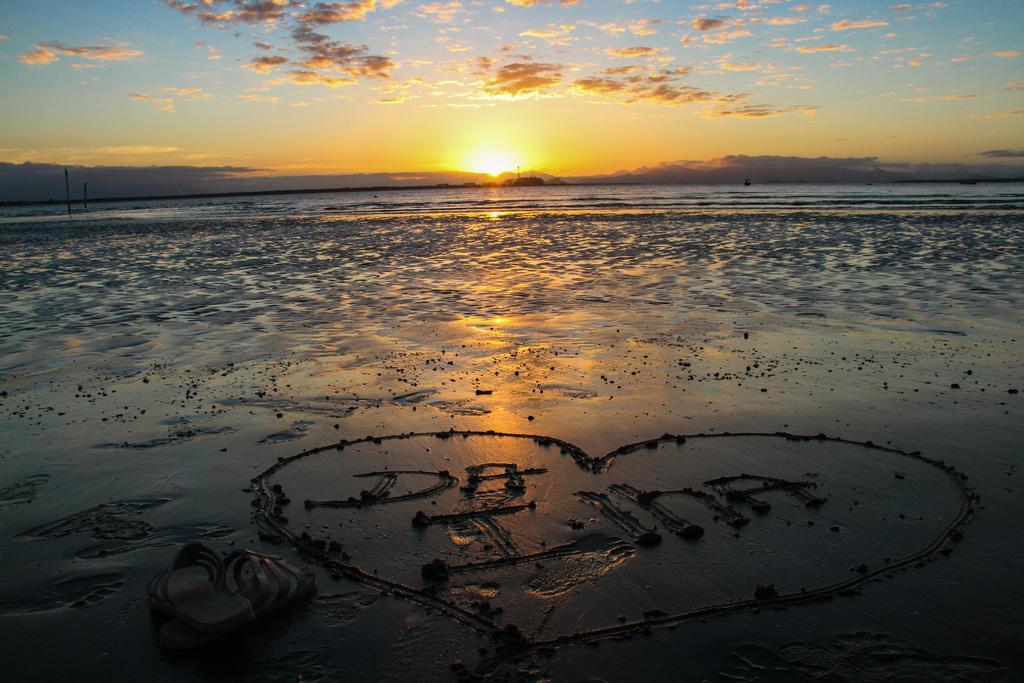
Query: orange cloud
point(524, 78)
point(337, 12)
point(441, 12)
point(707, 24)
point(324, 54)
point(45, 53)
point(307, 77)
point(619, 70)
point(161, 103)
point(225, 12)
point(658, 87)
point(550, 32)
point(532, 3)
point(847, 25)
point(191, 94)
point(264, 65)
point(632, 52)
point(644, 27)
point(742, 66)
point(807, 49)
point(778, 21)
point(760, 111)
point(723, 37)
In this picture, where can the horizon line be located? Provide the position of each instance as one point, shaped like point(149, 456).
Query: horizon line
point(487, 186)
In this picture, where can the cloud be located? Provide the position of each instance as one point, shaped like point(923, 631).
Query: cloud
point(1007, 54)
point(166, 103)
point(726, 64)
point(847, 25)
point(254, 97)
point(908, 7)
point(45, 53)
point(226, 12)
point(133, 150)
point(524, 78)
point(308, 77)
point(626, 52)
point(723, 37)
point(761, 111)
point(557, 35)
point(190, 94)
point(264, 65)
point(211, 52)
point(337, 12)
point(707, 24)
point(644, 27)
point(1003, 154)
point(775, 169)
point(40, 55)
point(161, 103)
point(1015, 85)
point(651, 90)
point(532, 3)
point(441, 12)
point(335, 57)
point(808, 49)
point(939, 98)
point(639, 85)
point(778, 21)
point(602, 86)
point(618, 70)
point(322, 60)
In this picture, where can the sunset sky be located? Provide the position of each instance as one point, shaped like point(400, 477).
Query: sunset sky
point(567, 87)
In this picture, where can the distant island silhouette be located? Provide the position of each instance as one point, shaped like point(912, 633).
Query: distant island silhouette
point(529, 181)
point(34, 184)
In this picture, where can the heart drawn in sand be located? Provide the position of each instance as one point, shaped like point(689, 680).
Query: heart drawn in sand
point(534, 542)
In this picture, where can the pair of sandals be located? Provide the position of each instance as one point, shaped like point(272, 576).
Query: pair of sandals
point(209, 596)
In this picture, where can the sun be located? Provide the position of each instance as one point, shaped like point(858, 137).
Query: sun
point(492, 161)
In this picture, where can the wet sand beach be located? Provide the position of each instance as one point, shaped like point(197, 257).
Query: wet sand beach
point(567, 433)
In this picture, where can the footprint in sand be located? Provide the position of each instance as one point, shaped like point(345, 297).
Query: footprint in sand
point(73, 593)
point(860, 656)
point(106, 521)
point(22, 492)
point(118, 526)
point(160, 537)
point(302, 665)
point(340, 609)
point(298, 430)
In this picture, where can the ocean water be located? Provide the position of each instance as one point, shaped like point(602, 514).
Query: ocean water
point(312, 271)
point(155, 356)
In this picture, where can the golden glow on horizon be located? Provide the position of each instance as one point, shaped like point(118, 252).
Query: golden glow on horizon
point(491, 160)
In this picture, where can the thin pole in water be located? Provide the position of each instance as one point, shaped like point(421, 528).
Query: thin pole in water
point(67, 189)
point(85, 196)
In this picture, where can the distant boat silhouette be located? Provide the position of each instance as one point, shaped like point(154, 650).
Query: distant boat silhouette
point(746, 182)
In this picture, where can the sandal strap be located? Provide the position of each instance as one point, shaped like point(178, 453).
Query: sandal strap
point(190, 555)
point(275, 579)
